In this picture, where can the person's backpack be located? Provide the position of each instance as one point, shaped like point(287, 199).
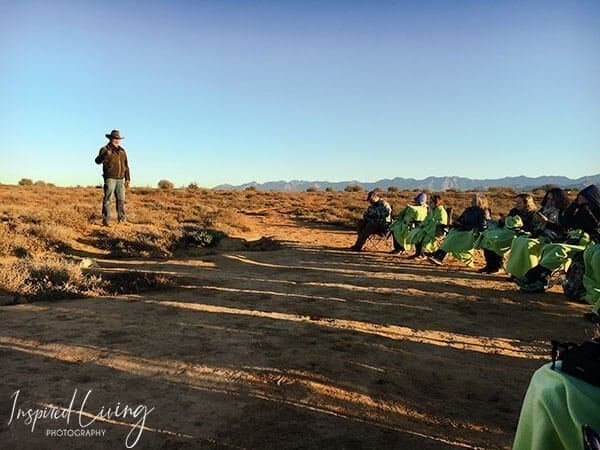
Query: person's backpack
point(573, 283)
point(581, 361)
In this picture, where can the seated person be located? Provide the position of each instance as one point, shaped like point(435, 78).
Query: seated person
point(555, 408)
point(497, 239)
point(406, 220)
point(376, 219)
point(591, 280)
point(582, 217)
point(526, 249)
point(460, 240)
point(425, 236)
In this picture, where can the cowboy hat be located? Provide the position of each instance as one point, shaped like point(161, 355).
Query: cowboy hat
point(114, 134)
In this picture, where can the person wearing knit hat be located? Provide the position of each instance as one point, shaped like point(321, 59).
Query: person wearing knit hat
point(406, 220)
point(421, 199)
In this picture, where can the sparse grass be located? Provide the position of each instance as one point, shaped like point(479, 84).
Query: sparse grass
point(49, 278)
point(42, 224)
point(135, 282)
point(50, 219)
point(54, 278)
point(143, 241)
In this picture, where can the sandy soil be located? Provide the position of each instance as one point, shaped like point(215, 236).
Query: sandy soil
point(304, 347)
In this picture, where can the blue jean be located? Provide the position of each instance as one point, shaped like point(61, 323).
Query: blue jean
point(114, 186)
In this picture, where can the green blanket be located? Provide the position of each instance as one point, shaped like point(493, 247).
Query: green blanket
point(525, 254)
point(403, 222)
point(499, 239)
point(460, 244)
point(555, 407)
point(591, 278)
point(555, 256)
point(428, 231)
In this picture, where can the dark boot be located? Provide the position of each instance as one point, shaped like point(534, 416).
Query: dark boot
point(493, 262)
point(535, 280)
point(438, 257)
point(538, 273)
point(418, 251)
point(397, 247)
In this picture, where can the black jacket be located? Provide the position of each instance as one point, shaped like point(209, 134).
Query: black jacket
point(472, 218)
point(526, 216)
point(581, 217)
point(584, 217)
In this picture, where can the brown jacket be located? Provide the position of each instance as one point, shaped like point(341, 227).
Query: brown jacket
point(114, 162)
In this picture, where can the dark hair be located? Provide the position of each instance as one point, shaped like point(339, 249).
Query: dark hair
point(561, 201)
point(592, 195)
point(437, 200)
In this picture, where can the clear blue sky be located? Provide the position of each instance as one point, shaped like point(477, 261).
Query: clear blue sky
point(234, 91)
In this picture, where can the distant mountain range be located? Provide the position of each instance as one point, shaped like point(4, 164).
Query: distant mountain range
point(521, 183)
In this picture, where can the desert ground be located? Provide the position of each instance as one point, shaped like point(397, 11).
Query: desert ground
point(274, 337)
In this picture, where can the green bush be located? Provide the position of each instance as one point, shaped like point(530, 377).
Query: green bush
point(202, 238)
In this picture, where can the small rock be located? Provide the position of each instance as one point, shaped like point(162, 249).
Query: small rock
point(89, 263)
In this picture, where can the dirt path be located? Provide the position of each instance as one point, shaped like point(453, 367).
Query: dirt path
point(305, 347)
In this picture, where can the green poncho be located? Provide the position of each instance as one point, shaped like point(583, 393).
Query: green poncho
point(556, 405)
point(499, 239)
point(555, 256)
point(427, 232)
point(401, 226)
point(460, 244)
point(591, 278)
point(525, 254)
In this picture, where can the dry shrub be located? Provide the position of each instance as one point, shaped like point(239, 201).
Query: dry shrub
point(165, 184)
point(152, 242)
point(135, 282)
point(143, 191)
point(49, 278)
point(263, 244)
point(502, 191)
point(228, 218)
point(53, 278)
point(145, 242)
point(30, 239)
point(353, 188)
point(202, 238)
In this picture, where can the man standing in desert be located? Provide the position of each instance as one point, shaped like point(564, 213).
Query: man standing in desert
point(115, 170)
